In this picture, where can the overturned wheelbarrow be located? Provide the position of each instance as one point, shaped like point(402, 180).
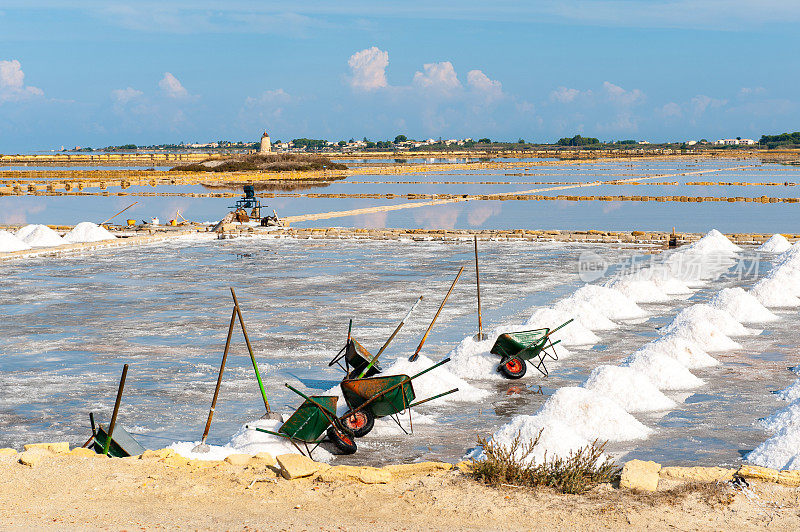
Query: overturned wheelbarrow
point(311, 423)
point(385, 396)
point(517, 349)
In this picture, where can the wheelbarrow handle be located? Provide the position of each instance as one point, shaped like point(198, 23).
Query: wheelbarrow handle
point(445, 361)
point(397, 330)
point(314, 402)
point(412, 405)
point(561, 326)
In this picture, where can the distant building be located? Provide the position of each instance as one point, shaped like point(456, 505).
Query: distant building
point(266, 145)
point(734, 142)
point(691, 142)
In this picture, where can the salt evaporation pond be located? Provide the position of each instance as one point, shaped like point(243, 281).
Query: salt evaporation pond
point(70, 323)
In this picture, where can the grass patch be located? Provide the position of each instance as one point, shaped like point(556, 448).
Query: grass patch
point(578, 473)
point(274, 162)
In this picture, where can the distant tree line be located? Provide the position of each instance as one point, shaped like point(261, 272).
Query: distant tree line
point(784, 139)
point(577, 140)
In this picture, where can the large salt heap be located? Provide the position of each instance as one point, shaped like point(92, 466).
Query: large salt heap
point(9, 243)
point(88, 232)
point(39, 236)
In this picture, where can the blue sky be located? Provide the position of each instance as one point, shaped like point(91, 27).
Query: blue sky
point(103, 72)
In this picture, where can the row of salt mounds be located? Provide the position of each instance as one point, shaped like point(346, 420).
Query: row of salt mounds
point(608, 302)
point(9, 243)
point(639, 290)
point(629, 388)
point(781, 451)
point(782, 419)
point(665, 372)
point(742, 305)
point(88, 232)
point(683, 350)
point(472, 359)
point(705, 259)
point(776, 244)
point(249, 441)
point(39, 236)
point(708, 327)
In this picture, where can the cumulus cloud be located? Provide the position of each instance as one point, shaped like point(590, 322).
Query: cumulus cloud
point(670, 110)
point(440, 77)
point(125, 95)
point(488, 88)
point(274, 96)
point(701, 103)
point(12, 83)
point(172, 87)
point(368, 69)
point(564, 95)
point(620, 96)
point(751, 91)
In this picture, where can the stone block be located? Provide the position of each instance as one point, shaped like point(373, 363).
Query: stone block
point(8, 451)
point(32, 457)
point(265, 459)
point(640, 475)
point(418, 468)
point(82, 451)
point(298, 466)
point(53, 447)
point(238, 459)
point(786, 477)
point(699, 474)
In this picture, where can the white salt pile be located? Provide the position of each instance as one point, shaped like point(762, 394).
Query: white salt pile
point(713, 242)
point(88, 232)
point(788, 417)
point(574, 334)
point(592, 415)
point(9, 243)
point(609, 302)
point(39, 236)
point(742, 305)
point(790, 393)
point(629, 388)
point(249, 441)
point(781, 451)
point(664, 372)
point(684, 351)
point(705, 259)
point(776, 290)
point(585, 313)
point(661, 275)
point(707, 327)
point(639, 290)
point(557, 440)
point(776, 244)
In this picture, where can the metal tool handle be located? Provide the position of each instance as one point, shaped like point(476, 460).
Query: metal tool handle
point(111, 425)
point(385, 345)
point(413, 357)
point(250, 350)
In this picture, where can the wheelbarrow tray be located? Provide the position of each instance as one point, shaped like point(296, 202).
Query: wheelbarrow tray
point(308, 423)
point(522, 344)
point(122, 443)
point(358, 358)
point(386, 395)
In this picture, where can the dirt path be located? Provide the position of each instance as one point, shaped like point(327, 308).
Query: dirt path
point(68, 492)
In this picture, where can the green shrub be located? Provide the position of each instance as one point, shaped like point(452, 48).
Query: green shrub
point(579, 472)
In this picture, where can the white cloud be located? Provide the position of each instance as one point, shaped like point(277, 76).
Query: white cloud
point(172, 87)
point(440, 77)
point(670, 110)
point(621, 96)
point(564, 95)
point(12, 83)
point(480, 83)
point(701, 103)
point(125, 95)
point(274, 96)
point(368, 69)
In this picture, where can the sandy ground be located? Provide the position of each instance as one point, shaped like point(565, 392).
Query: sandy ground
point(123, 494)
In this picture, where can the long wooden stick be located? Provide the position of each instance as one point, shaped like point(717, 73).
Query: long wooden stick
point(116, 410)
point(250, 350)
point(219, 377)
point(385, 345)
point(413, 357)
point(120, 212)
point(478, 283)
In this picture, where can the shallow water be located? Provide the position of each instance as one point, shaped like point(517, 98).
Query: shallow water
point(70, 323)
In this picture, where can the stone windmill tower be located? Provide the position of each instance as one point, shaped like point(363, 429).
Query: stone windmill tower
point(266, 145)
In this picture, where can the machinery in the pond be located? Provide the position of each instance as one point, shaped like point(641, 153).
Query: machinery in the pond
point(250, 202)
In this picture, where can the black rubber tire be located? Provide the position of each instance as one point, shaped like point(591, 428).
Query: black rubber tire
point(513, 368)
point(359, 423)
point(343, 441)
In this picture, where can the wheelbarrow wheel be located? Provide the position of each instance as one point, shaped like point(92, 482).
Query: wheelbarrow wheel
point(359, 423)
point(343, 441)
point(514, 368)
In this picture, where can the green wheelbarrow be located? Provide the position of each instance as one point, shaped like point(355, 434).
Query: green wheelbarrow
point(516, 349)
point(385, 396)
point(311, 423)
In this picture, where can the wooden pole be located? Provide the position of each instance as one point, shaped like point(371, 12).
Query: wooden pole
point(478, 283)
point(116, 410)
point(413, 357)
point(250, 350)
point(219, 383)
point(120, 212)
point(397, 330)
